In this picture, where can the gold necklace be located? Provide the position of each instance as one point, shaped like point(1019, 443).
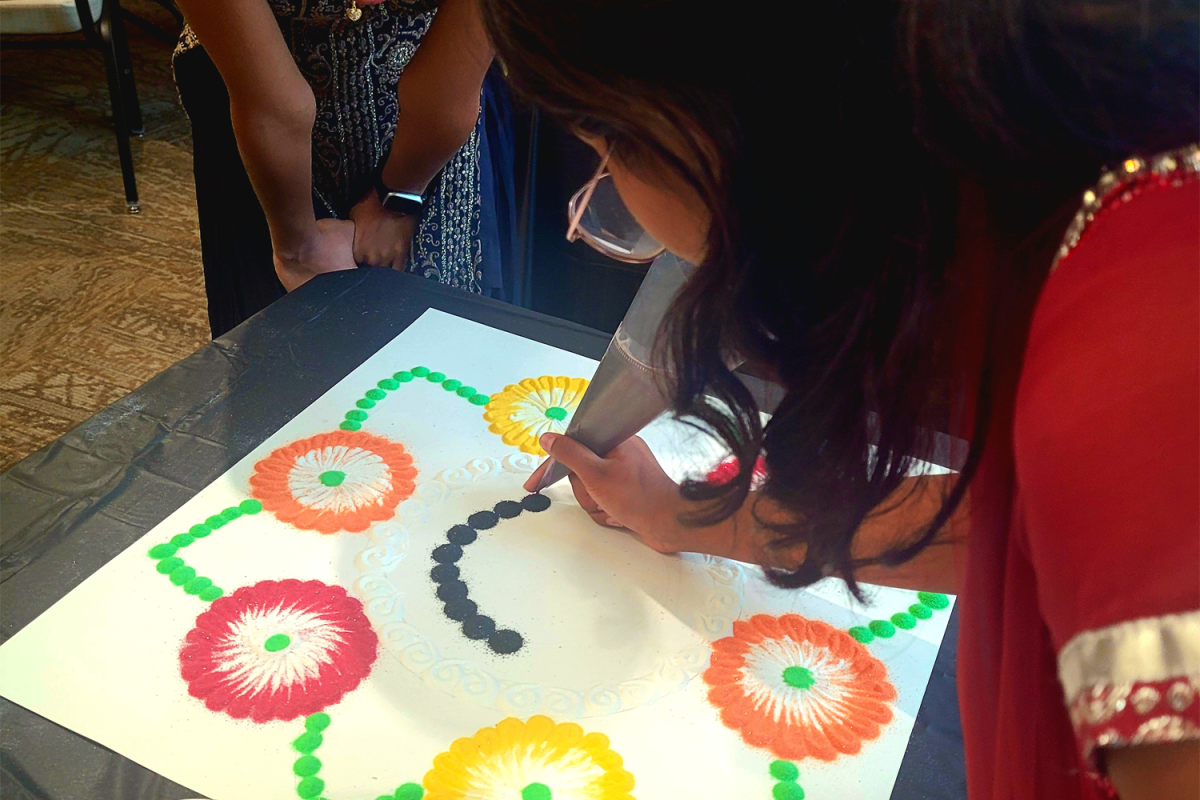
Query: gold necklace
point(353, 12)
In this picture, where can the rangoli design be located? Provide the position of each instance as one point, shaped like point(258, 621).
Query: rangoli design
point(283, 650)
point(799, 688)
point(340, 481)
point(532, 760)
point(278, 650)
point(524, 411)
point(453, 590)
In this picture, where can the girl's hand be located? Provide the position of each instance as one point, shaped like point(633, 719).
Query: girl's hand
point(628, 489)
point(381, 238)
point(329, 249)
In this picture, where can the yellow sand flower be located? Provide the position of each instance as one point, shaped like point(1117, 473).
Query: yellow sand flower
point(526, 410)
point(534, 760)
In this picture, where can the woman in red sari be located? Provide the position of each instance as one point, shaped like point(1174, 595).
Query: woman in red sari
point(953, 215)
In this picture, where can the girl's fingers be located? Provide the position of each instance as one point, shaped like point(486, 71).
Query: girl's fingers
point(536, 476)
point(583, 496)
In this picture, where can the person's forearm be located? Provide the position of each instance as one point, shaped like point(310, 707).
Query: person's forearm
point(438, 95)
point(276, 149)
point(271, 107)
point(745, 537)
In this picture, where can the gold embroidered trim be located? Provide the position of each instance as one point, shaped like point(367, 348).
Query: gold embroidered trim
point(1174, 164)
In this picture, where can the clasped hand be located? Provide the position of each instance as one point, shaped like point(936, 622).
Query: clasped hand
point(381, 238)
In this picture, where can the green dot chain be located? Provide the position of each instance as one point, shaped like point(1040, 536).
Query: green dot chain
point(904, 620)
point(174, 567)
point(307, 766)
point(356, 416)
point(786, 774)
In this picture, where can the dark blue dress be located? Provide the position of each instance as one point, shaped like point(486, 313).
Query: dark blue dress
point(464, 237)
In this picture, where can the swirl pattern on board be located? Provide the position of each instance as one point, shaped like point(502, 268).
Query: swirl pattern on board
point(473, 680)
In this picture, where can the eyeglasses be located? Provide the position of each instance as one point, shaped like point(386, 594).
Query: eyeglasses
point(599, 217)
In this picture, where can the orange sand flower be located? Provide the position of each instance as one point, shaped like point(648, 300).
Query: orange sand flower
point(340, 481)
point(798, 687)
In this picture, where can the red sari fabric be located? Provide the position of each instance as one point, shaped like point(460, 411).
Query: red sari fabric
point(1080, 608)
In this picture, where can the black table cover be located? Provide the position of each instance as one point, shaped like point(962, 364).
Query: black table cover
point(73, 505)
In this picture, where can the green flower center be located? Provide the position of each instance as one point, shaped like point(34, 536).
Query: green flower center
point(536, 791)
point(332, 477)
point(277, 642)
point(798, 677)
point(558, 413)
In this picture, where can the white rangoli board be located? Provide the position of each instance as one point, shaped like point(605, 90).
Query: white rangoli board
point(616, 635)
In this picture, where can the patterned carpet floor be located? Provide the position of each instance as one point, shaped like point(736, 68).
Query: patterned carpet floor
point(93, 301)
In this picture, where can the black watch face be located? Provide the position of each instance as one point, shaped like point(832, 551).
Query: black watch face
point(403, 203)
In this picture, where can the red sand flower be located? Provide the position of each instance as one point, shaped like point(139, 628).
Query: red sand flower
point(340, 481)
point(278, 650)
point(798, 687)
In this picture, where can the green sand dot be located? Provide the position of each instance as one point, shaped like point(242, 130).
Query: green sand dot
point(275, 643)
point(232, 513)
point(169, 565)
point(451, 384)
point(310, 787)
point(420, 372)
point(467, 391)
point(920, 611)
point(904, 620)
point(307, 765)
point(556, 412)
point(250, 506)
point(384, 797)
point(317, 722)
point(536, 791)
point(784, 771)
point(410, 791)
point(356, 415)
point(182, 539)
point(215, 521)
point(404, 376)
point(308, 741)
point(862, 634)
point(389, 384)
point(480, 399)
point(182, 575)
point(882, 628)
point(798, 677)
point(200, 531)
point(164, 550)
point(197, 585)
point(376, 394)
point(332, 477)
point(934, 600)
point(365, 402)
point(350, 425)
point(436, 377)
point(787, 791)
point(211, 593)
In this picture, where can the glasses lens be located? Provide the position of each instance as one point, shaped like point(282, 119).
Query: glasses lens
point(609, 225)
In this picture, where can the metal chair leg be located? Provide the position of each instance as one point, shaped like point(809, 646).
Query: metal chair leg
point(121, 47)
point(112, 66)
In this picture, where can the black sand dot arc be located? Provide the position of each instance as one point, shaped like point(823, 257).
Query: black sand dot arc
point(453, 590)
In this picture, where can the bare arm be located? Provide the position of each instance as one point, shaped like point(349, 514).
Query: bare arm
point(629, 489)
point(1156, 772)
point(272, 110)
point(438, 95)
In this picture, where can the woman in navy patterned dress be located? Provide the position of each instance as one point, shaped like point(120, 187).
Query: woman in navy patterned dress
point(298, 135)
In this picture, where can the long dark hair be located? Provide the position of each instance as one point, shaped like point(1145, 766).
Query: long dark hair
point(836, 148)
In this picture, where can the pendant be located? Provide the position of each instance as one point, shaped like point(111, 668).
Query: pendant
point(353, 13)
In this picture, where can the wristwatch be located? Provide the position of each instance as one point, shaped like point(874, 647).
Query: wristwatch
point(404, 204)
